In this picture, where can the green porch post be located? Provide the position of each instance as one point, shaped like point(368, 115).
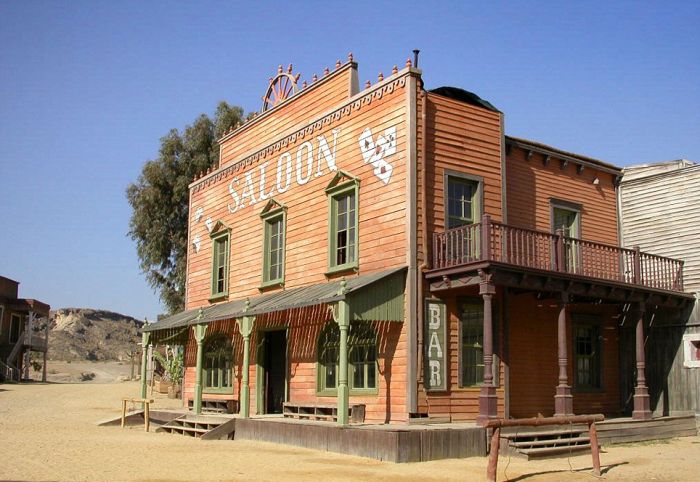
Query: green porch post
point(245, 326)
point(145, 339)
point(342, 317)
point(199, 332)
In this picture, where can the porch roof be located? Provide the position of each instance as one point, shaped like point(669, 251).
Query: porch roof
point(383, 303)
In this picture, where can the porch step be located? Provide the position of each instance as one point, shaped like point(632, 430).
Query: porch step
point(203, 427)
point(216, 405)
point(545, 442)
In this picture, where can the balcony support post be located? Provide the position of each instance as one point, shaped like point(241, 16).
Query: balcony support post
point(563, 400)
point(488, 400)
point(642, 410)
point(560, 252)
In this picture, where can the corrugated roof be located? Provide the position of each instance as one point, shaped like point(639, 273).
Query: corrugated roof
point(271, 302)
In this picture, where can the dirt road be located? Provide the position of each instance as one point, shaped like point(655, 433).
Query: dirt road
point(49, 432)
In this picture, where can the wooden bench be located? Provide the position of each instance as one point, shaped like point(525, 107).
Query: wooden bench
point(216, 405)
point(324, 412)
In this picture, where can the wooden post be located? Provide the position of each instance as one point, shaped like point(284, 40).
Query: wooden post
point(147, 414)
point(642, 405)
point(199, 333)
point(595, 449)
point(145, 338)
point(488, 400)
point(637, 263)
point(46, 347)
point(563, 400)
point(560, 251)
point(492, 468)
point(341, 314)
point(124, 411)
point(245, 327)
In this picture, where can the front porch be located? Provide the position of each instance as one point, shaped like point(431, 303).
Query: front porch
point(560, 278)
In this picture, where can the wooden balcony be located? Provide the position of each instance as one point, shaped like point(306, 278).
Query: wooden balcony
point(489, 242)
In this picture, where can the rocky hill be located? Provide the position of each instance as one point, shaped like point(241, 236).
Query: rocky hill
point(89, 334)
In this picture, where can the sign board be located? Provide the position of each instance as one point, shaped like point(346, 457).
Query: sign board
point(434, 346)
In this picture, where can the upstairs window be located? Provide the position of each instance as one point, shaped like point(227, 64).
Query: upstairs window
point(220, 237)
point(462, 200)
point(566, 216)
point(274, 221)
point(343, 222)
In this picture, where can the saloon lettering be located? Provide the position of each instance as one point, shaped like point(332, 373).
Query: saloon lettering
point(261, 183)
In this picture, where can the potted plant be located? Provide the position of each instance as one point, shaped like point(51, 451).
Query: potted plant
point(172, 364)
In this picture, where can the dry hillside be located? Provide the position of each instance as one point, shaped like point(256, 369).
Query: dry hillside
point(89, 334)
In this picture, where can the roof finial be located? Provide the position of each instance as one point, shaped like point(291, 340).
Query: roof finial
point(289, 69)
point(303, 85)
point(395, 70)
point(350, 57)
point(368, 84)
point(280, 69)
point(314, 78)
point(408, 62)
point(337, 64)
point(326, 71)
point(380, 77)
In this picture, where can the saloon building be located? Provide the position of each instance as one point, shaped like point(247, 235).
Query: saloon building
point(386, 253)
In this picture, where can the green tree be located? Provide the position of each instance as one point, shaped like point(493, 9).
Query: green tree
point(160, 200)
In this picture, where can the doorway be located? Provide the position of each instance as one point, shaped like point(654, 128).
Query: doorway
point(273, 371)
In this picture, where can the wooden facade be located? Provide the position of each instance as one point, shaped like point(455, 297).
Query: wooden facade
point(660, 213)
point(514, 283)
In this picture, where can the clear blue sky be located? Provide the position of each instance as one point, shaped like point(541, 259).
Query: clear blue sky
point(88, 88)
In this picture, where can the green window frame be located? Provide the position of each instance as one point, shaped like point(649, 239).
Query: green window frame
point(587, 357)
point(471, 320)
point(220, 264)
point(217, 371)
point(274, 246)
point(462, 200)
point(343, 223)
point(362, 359)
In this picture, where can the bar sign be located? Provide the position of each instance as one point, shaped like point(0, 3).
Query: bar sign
point(434, 366)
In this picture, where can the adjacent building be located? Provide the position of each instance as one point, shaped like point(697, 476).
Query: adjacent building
point(389, 251)
point(20, 319)
point(660, 213)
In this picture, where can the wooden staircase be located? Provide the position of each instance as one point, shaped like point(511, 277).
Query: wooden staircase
point(202, 427)
point(541, 442)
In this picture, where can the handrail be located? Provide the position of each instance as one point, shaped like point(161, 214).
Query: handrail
point(529, 248)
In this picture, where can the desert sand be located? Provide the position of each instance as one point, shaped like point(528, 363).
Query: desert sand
point(49, 432)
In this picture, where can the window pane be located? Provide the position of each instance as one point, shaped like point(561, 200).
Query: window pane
point(472, 325)
point(461, 203)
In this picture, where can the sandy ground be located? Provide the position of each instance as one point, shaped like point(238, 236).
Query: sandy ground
point(49, 432)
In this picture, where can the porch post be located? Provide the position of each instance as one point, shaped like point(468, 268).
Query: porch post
point(642, 410)
point(28, 332)
point(245, 326)
point(46, 347)
point(563, 400)
point(145, 339)
point(342, 317)
point(488, 401)
point(199, 332)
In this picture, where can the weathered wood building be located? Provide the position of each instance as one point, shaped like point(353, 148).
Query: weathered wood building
point(19, 334)
point(660, 213)
point(390, 252)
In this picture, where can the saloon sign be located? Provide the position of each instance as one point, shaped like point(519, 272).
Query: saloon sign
point(308, 160)
point(435, 373)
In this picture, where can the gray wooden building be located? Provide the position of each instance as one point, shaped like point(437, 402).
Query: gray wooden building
point(660, 213)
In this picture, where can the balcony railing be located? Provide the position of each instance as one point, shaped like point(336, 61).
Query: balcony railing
point(527, 248)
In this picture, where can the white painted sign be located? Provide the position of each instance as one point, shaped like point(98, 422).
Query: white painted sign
point(374, 152)
point(435, 370)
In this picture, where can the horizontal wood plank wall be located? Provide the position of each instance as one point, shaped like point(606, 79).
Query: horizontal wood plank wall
point(306, 106)
point(460, 404)
point(661, 215)
point(466, 139)
point(382, 236)
point(533, 359)
point(531, 185)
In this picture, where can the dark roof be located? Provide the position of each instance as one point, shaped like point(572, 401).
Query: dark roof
point(544, 148)
point(270, 302)
point(464, 96)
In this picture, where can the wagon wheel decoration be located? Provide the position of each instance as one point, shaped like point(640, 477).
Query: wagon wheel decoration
point(282, 87)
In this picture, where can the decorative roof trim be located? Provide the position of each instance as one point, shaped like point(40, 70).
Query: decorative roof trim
point(352, 105)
